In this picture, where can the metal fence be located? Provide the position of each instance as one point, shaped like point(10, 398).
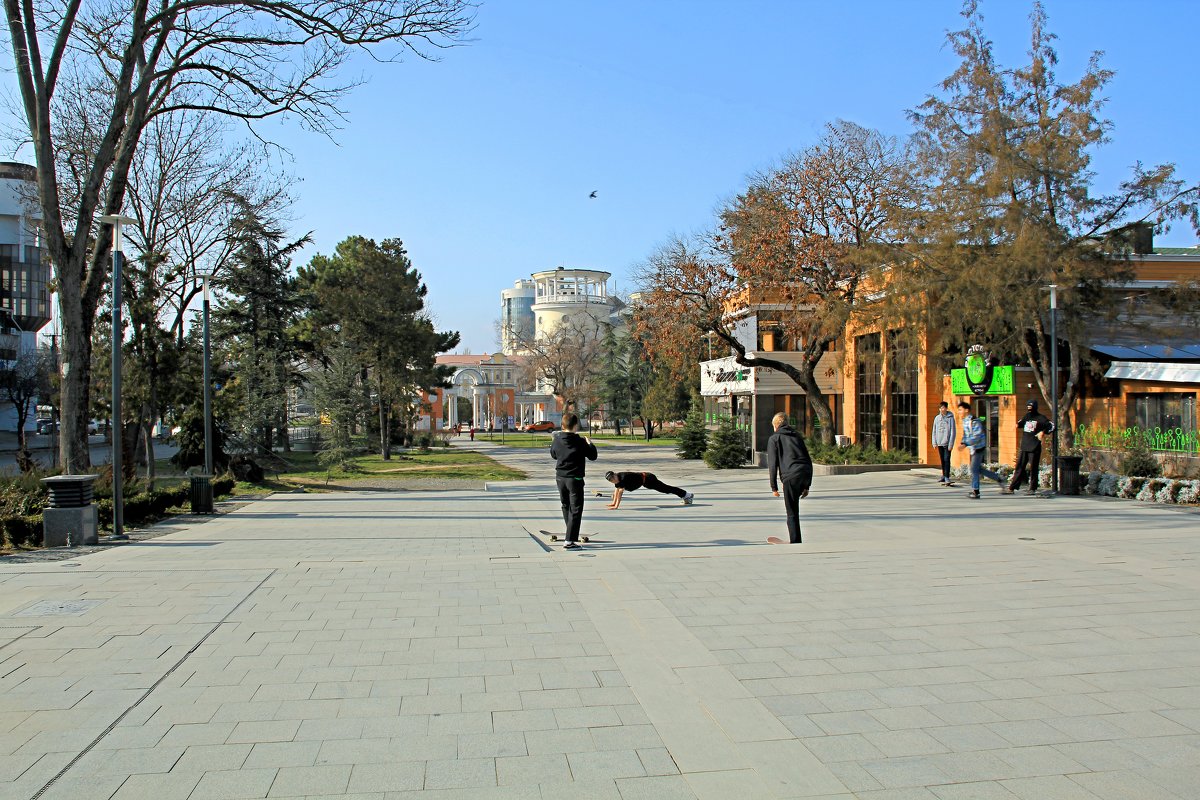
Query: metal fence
point(1170, 440)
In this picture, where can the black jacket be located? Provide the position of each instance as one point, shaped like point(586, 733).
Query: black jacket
point(1030, 426)
point(787, 455)
point(569, 451)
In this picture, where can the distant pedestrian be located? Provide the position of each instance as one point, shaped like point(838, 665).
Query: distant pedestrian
point(632, 481)
point(788, 463)
point(944, 434)
point(472, 433)
point(1033, 427)
point(569, 451)
point(974, 441)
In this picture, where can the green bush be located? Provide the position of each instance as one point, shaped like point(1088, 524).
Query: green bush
point(693, 439)
point(22, 495)
point(223, 485)
point(823, 453)
point(22, 530)
point(1141, 462)
point(726, 447)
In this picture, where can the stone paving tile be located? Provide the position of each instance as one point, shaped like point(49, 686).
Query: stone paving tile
point(915, 662)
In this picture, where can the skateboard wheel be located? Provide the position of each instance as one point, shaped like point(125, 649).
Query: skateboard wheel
point(553, 538)
point(586, 539)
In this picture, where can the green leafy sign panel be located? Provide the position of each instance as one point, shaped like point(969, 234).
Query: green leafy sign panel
point(1002, 381)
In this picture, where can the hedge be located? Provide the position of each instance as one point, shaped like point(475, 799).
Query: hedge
point(140, 506)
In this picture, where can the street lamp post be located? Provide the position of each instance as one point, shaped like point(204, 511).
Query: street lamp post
point(1054, 387)
point(117, 220)
point(206, 277)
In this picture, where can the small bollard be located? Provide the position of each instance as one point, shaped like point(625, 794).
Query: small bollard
point(71, 519)
point(202, 494)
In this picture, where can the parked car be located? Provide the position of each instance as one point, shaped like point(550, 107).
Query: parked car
point(538, 427)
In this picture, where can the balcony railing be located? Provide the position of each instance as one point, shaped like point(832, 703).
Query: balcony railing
point(599, 299)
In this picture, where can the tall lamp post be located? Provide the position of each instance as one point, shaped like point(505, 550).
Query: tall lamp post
point(118, 260)
point(206, 277)
point(1054, 387)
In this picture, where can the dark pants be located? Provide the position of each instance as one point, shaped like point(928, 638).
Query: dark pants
point(652, 482)
point(1028, 463)
point(570, 494)
point(977, 470)
point(944, 453)
point(792, 489)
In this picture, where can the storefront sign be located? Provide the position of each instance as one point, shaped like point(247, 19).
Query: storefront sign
point(1000, 382)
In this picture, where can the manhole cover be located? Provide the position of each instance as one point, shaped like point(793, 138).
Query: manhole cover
point(52, 608)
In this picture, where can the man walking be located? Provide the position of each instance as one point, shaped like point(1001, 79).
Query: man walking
point(788, 461)
point(944, 434)
point(632, 481)
point(569, 450)
point(974, 441)
point(1033, 427)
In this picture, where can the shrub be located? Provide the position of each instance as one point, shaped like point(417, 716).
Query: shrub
point(1110, 484)
point(22, 530)
point(693, 439)
point(1140, 462)
point(1150, 489)
point(1130, 486)
point(726, 448)
point(423, 440)
point(1189, 493)
point(1169, 493)
point(830, 453)
point(1093, 482)
point(223, 485)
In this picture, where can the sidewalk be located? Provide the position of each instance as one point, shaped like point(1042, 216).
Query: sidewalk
point(425, 644)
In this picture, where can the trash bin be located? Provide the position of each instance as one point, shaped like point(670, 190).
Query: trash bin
point(1068, 474)
point(202, 494)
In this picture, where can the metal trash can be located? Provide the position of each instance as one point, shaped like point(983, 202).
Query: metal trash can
point(71, 518)
point(1068, 474)
point(202, 494)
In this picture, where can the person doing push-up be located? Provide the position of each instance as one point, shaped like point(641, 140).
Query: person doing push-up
point(632, 481)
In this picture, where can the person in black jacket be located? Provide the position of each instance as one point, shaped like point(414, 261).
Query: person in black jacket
point(1033, 427)
point(632, 481)
point(569, 450)
point(789, 462)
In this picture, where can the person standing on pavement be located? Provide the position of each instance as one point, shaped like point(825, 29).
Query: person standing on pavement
point(974, 441)
point(944, 434)
point(788, 463)
point(569, 451)
point(632, 481)
point(1033, 427)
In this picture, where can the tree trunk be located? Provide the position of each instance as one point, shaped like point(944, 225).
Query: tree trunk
point(802, 375)
point(74, 393)
point(648, 426)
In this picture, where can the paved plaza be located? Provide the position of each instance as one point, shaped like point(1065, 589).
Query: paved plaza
point(919, 645)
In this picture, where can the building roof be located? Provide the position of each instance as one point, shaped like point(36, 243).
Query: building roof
point(1194, 250)
point(463, 359)
point(1163, 371)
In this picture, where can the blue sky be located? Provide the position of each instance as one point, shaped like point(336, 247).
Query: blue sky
point(482, 162)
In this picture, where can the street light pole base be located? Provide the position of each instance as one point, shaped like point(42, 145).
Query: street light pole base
point(118, 537)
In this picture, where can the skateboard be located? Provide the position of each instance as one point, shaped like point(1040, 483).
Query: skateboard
point(554, 537)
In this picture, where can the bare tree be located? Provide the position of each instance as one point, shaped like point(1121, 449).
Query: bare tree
point(22, 382)
point(567, 360)
point(124, 67)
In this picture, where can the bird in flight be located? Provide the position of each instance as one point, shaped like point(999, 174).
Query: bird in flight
point(592, 195)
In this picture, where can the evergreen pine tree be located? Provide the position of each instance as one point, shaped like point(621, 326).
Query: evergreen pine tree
point(726, 447)
point(693, 439)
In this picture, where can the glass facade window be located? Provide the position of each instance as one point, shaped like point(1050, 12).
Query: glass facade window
point(1166, 411)
point(868, 389)
point(902, 397)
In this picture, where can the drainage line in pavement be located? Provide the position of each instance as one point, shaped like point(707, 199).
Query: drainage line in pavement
point(112, 726)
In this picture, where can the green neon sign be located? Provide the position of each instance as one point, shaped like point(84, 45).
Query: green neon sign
point(1002, 381)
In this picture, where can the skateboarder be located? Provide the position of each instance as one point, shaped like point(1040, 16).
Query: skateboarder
point(569, 450)
point(632, 481)
point(788, 462)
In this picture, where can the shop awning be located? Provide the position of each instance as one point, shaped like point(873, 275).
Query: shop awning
point(1165, 371)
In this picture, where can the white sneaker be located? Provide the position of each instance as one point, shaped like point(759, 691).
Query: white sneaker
point(572, 546)
point(687, 498)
